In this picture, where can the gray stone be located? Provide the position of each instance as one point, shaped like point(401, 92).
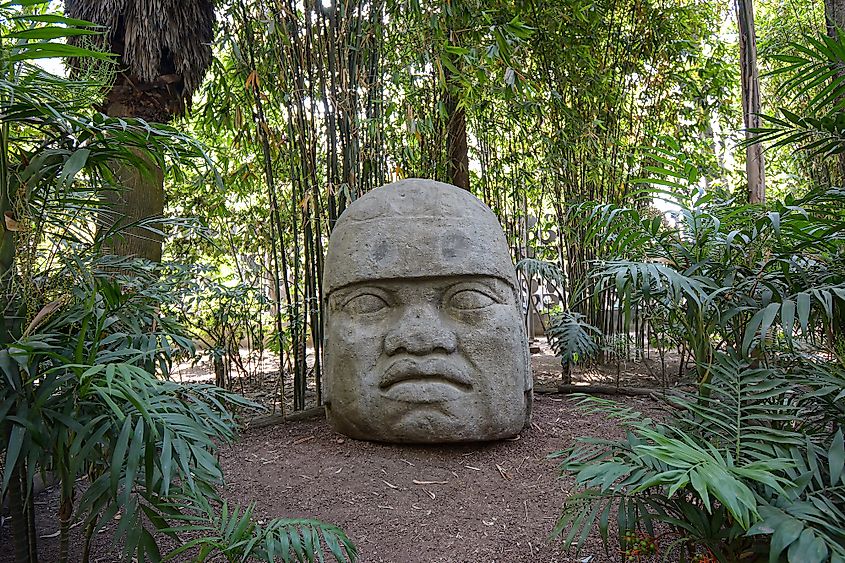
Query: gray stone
point(424, 339)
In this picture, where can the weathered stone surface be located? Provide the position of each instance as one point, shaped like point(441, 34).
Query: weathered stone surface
point(424, 333)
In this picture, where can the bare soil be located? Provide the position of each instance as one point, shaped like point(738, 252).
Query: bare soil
point(486, 502)
point(495, 502)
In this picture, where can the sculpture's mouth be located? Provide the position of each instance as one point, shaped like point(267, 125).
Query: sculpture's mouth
point(424, 371)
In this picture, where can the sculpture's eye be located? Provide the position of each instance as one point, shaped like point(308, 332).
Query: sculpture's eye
point(469, 299)
point(365, 303)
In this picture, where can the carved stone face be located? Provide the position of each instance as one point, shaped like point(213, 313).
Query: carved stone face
point(437, 353)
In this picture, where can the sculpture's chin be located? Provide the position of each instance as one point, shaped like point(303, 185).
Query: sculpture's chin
point(426, 424)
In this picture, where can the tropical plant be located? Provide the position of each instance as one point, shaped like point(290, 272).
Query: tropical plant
point(570, 336)
point(753, 466)
point(812, 74)
point(726, 272)
point(220, 314)
point(50, 140)
point(163, 52)
point(85, 349)
point(79, 402)
point(231, 533)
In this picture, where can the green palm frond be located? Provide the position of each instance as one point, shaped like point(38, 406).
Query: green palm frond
point(653, 279)
point(672, 175)
point(620, 231)
point(532, 268)
point(571, 337)
point(815, 74)
point(230, 532)
point(742, 448)
point(819, 136)
point(807, 522)
point(743, 411)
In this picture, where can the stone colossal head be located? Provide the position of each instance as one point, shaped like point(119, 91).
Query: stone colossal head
point(424, 340)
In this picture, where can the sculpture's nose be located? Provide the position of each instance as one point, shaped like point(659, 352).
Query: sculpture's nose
point(420, 331)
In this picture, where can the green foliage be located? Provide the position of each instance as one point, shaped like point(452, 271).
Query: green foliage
point(736, 470)
point(814, 74)
point(219, 313)
point(571, 337)
point(78, 401)
point(86, 347)
point(728, 273)
point(751, 466)
point(232, 534)
point(731, 277)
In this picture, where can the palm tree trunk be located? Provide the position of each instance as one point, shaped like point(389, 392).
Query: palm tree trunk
point(141, 201)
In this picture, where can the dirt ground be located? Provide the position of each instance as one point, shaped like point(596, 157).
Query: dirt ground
point(491, 502)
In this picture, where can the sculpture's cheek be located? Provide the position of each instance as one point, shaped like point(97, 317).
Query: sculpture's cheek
point(495, 348)
point(353, 348)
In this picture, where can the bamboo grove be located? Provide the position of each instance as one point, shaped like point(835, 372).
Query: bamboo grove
point(534, 106)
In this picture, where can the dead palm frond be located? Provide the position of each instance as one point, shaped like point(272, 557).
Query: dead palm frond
point(156, 39)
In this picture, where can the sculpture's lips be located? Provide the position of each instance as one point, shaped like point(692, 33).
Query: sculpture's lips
point(425, 370)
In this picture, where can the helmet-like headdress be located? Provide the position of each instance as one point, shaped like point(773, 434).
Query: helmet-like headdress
point(416, 228)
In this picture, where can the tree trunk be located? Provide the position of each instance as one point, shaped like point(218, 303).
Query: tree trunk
point(9, 304)
point(834, 16)
point(21, 510)
point(140, 199)
point(754, 164)
point(456, 126)
point(456, 136)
